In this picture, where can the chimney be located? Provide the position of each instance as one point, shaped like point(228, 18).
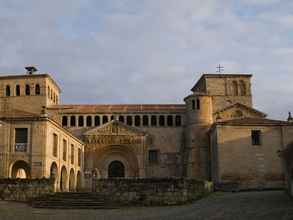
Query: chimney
point(30, 70)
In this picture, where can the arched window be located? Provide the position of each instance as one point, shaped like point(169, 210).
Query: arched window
point(27, 90)
point(121, 118)
point(170, 120)
point(80, 121)
point(57, 99)
point(37, 89)
point(178, 120)
point(162, 120)
point(48, 92)
point(145, 120)
point(51, 94)
point(137, 120)
point(154, 120)
point(129, 120)
point(105, 119)
point(72, 121)
point(7, 90)
point(242, 88)
point(112, 117)
point(89, 121)
point(17, 90)
point(234, 88)
point(64, 121)
point(198, 104)
point(97, 120)
point(193, 105)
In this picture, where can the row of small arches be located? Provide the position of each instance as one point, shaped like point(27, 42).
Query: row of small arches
point(137, 120)
point(238, 88)
point(27, 90)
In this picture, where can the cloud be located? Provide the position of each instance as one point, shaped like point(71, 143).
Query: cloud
point(150, 51)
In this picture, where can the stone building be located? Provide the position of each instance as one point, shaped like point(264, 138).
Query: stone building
point(32, 144)
point(215, 134)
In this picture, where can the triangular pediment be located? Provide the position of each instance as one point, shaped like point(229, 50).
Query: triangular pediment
point(238, 110)
point(114, 127)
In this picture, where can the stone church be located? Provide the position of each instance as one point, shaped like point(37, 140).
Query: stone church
point(215, 134)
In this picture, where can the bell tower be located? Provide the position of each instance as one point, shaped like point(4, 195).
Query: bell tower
point(28, 92)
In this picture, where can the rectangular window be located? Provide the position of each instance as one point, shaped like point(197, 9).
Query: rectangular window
point(79, 157)
point(72, 154)
point(255, 137)
point(21, 139)
point(55, 145)
point(64, 149)
point(153, 156)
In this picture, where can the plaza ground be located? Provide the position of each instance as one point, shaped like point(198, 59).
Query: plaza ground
point(244, 205)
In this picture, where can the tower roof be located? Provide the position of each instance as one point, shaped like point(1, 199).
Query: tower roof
point(219, 75)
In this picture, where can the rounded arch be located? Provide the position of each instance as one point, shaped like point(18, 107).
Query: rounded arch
point(7, 90)
point(21, 169)
point(110, 153)
point(116, 169)
point(54, 171)
point(71, 180)
point(78, 181)
point(54, 174)
point(63, 179)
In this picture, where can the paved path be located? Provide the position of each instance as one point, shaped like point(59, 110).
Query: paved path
point(265, 205)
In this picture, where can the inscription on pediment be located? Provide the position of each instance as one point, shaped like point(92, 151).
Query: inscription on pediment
point(114, 128)
point(114, 140)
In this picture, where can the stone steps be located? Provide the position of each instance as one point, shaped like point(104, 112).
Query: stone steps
point(73, 200)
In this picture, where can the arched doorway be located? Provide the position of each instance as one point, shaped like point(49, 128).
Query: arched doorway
point(20, 169)
point(71, 181)
point(78, 181)
point(116, 169)
point(63, 179)
point(54, 173)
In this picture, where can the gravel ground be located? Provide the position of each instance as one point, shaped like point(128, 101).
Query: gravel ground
point(264, 205)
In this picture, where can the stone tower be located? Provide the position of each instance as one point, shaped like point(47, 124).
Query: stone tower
point(198, 120)
point(211, 93)
point(28, 92)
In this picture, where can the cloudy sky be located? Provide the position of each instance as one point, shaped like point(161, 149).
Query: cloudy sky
point(151, 51)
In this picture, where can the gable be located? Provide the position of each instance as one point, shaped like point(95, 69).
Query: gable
point(238, 111)
point(114, 128)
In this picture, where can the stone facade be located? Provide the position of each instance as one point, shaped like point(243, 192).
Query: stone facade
point(197, 139)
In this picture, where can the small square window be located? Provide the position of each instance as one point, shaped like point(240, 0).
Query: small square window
point(255, 137)
point(153, 156)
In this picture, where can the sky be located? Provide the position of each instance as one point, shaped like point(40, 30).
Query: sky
point(151, 51)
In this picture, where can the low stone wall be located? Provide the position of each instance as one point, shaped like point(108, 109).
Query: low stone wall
point(25, 189)
point(151, 191)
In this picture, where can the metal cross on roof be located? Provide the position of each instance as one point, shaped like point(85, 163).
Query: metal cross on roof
point(220, 68)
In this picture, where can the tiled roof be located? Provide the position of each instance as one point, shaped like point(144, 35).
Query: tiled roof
point(119, 108)
point(252, 121)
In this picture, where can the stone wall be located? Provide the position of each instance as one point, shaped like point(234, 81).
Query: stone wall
point(152, 191)
point(24, 189)
point(236, 160)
